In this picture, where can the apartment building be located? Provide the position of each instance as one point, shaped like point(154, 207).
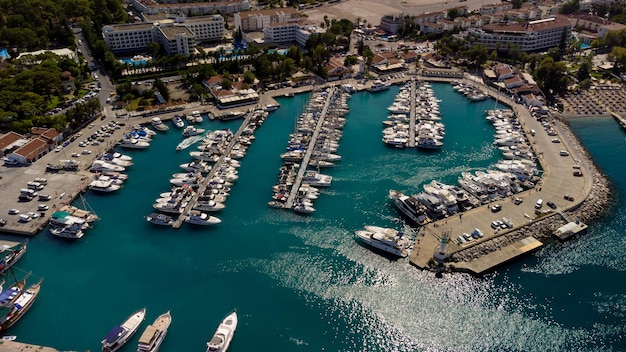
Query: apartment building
point(257, 21)
point(191, 8)
point(530, 36)
point(176, 33)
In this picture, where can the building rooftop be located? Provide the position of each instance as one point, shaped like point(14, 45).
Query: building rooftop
point(171, 32)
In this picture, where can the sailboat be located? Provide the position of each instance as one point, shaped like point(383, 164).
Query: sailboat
point(16, 301)
point(13, 254)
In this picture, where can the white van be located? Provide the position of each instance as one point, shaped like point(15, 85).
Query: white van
point(35, 185)
point(539, 203)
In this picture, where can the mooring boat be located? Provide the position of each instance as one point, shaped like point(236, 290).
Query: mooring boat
point(154, 334)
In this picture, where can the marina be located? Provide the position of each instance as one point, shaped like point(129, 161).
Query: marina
point(154, 242)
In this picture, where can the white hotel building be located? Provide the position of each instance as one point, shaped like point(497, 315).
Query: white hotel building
point(177, 34)
point(531, 36)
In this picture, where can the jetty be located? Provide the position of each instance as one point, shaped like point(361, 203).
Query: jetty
point(223, 155)
point(412, 116)
point(309, 150)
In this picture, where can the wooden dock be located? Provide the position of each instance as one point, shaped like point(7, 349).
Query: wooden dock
point(307, 156)
point(620, 119)
point(194, 199)
point(412, 117)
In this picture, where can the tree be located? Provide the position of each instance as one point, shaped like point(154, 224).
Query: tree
point(248, 77)
point(226, 83)
point(550, 76)
point(453, 13)
point(154, 49)
point(618, 56)
point(583, 71)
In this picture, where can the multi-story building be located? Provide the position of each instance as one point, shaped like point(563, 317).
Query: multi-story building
point(257, 21)
point(280, 32)
point(392, 23)
point(190, 8)
point(177, 34)
point(529, 36)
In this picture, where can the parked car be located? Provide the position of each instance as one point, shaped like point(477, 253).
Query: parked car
point(518, 201)
point(496, 208)
point(551, 204)
point(568, 197)
point(14, 211)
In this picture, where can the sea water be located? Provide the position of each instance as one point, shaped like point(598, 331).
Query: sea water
point(302, 283)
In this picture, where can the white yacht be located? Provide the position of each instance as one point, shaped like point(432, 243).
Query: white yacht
point(159, 125)
point(103, 166)
point(196, 217)
point(133, 143)
point(199, 166)
point(105, 186)
point(154, 334)
point(170, 207)
point(224, 334)
point(192, 131)
point(210, 205)
point(388, 240)
point(409, 206)
point(178, 122)
point(316, 179)
point(427, 142)
point(378, 86)
point(271, 107)
point(196, 116)
point(160, 219)
point(119, 335)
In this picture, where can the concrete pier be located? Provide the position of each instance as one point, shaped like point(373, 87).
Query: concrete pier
point(307, 156)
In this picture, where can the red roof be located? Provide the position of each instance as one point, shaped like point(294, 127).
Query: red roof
point(9, 138)
point(31, 149)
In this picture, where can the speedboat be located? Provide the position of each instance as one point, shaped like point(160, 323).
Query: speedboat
point(196, 166)
point(74, 231)
point(105, 186)
point(119, 335)
point(316, 179)
point(196, 116)
point(159, 125)
point(178, 122)
point(224, 334)
point(388, 240)
point(154, 334)
point(199, 218)
point(160, 219)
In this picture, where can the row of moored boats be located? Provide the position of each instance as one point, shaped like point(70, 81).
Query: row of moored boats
point(154, 334)
point(314, 143)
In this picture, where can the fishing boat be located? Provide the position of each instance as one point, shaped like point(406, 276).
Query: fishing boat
point(119, 335)
point(224, 334)
point(154, 334)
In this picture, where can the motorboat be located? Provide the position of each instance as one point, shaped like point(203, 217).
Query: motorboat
point(199, 218)
point(223, 335)
point(378, 86)
point(210, 205)
point(196, 166)
point(271, 107)
point(111, 159)
point(192, 131)
point(231, 115)
point(171, 207)
point(158, 125)
point(197, 117)
point(316, 179)
point(119, 335)
point(154, 334)
point(133, 143)
point(160, 219)
point(409, 206)
point(178, 122)
point(388, 240)
point(74, 231)
point(105, 186)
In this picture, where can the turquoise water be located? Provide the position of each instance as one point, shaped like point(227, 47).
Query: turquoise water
point(4, 53)
point(301, 283)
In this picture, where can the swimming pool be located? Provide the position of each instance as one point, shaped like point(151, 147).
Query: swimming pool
point(585, 46)
point(134, 62)
point(4, 53)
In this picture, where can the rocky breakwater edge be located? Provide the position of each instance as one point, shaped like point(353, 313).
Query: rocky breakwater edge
point(595, 205)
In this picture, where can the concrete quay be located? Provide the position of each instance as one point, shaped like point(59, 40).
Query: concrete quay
point(500, 246)
point(14, 346)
